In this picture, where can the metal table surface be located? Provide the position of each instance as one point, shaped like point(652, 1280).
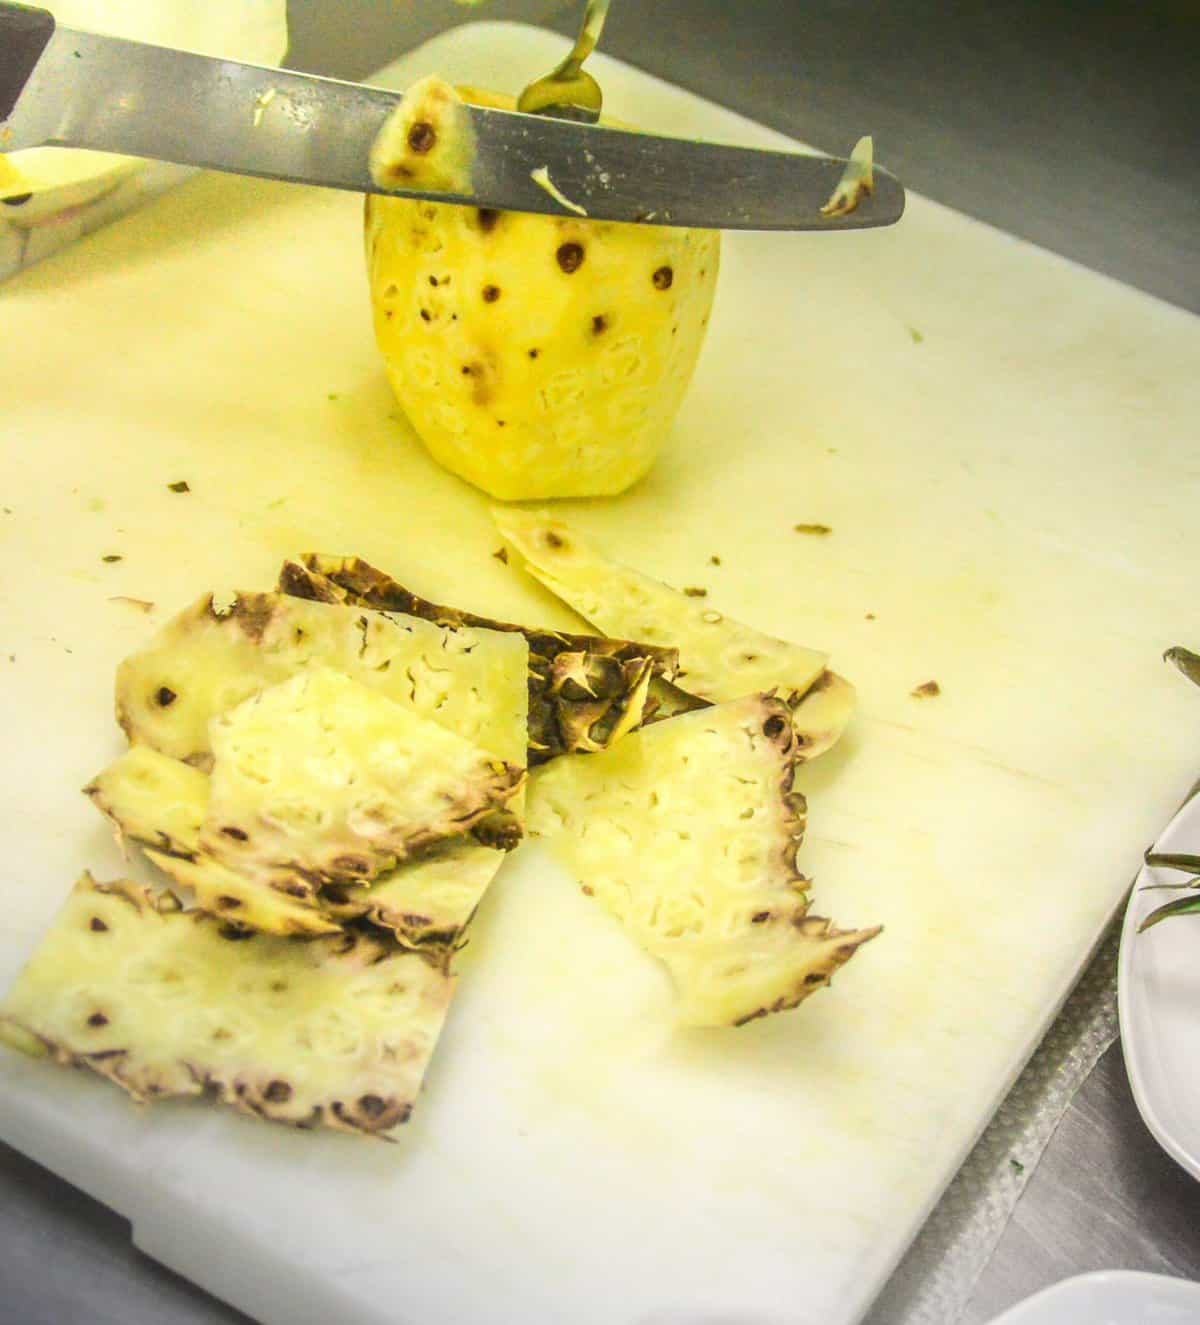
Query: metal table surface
point(1072, 126)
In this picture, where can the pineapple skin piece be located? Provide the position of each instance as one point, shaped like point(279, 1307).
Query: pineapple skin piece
point(427, 143)
point(687, 833)
point(335, 1032)
point(162, 803)
point(536, 356)
point(720, 659)
point(585, 691)
point(211, 657)
point(321, 780)
point(427, 903)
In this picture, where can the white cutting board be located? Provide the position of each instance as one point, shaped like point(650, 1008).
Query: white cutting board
point(1013, 500)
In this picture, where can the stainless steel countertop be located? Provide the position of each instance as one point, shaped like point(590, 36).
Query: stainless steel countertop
point(1074, 126)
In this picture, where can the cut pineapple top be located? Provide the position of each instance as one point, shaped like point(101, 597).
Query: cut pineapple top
point(536, 356)
point(334, 1032)
point(324, 777)
point(207, 660)
point(719, 658)
point(585, 691)
point(687, 833)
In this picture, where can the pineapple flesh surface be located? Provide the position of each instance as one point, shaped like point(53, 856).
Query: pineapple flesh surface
point(322, 779)
point(687, 833)
point(537, 356)
point(336, 1032)
point(720, 659)
point(209, 658)
point(585, 691)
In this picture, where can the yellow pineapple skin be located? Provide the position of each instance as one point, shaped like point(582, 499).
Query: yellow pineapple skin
point(537, 356)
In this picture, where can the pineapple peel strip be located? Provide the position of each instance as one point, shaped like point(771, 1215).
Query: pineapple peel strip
point(687, 833)
point(585, 691)
point(336, 1032)
point(163, 803)
point(720, 658)
point(324, 779)
point(209, 658)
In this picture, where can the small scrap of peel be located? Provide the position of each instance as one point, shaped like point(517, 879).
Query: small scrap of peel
point(857, 179)
point(541, 177)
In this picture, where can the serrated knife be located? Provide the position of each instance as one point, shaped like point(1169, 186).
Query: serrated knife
point(60, 87)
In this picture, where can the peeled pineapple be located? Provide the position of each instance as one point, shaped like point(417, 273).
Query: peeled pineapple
point(335, 1032)
point(687, 833)
point(537, 356)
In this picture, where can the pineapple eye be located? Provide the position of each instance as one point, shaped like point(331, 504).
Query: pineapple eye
point(97, 1019)
point(488, 217)
point(164, 696)
point(278, 1092)
point(773, 727)
point(422, 136)
point(372, 1105)
point(662, 278)
point(491, 293)
point(570, 257)
point(599, 324)
point(97, 926)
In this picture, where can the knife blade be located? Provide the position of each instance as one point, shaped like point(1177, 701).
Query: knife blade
point(68, 88)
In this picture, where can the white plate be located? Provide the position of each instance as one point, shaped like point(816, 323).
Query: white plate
point(1158, 992)
point(1110, 1297)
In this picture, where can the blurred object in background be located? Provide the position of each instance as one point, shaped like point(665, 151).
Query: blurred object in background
point(66, 193)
